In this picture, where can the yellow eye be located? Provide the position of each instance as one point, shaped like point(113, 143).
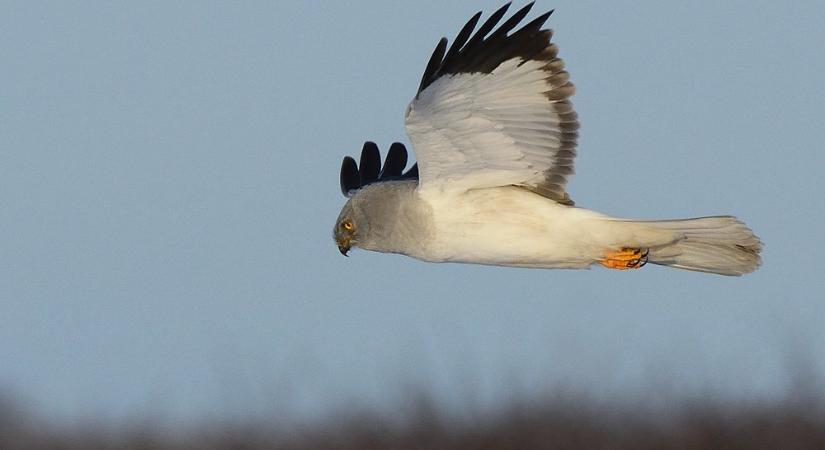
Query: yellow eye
point(347, 225)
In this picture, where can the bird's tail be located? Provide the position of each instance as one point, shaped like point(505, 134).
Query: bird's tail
point(720, 244)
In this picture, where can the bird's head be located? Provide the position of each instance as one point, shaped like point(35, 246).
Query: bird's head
point(349, 226)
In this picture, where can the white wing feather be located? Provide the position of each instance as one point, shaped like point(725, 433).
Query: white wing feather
point(477, 130)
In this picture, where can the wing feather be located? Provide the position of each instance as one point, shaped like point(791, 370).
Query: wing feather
point(494, 110)
point(370, 171)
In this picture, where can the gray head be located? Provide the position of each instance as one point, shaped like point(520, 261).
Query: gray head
point(378, 217)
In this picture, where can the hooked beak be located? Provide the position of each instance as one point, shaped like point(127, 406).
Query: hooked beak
point(344, 247)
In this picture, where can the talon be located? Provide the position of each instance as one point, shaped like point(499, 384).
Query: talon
point(626, 258)
point(644, 258)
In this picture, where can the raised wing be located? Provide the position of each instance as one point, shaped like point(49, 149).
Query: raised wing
point(370, 171)
point(493, 110)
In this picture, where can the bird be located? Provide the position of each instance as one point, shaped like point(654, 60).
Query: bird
point(494, 134)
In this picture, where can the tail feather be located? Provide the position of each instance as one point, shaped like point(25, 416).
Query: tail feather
point(720, 244)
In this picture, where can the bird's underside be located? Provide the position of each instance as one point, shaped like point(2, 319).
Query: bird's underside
point(495, 137)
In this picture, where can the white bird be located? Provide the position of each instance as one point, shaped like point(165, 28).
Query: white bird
point(495, 136)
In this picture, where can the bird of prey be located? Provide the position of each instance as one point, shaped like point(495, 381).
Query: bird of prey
point(494, 133)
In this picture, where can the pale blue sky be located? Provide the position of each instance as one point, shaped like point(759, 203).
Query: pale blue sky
point(169, 181)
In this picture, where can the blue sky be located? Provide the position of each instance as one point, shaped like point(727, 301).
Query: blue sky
point(169, 181)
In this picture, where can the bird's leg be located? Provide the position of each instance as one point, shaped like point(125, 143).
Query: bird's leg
point(626, 258)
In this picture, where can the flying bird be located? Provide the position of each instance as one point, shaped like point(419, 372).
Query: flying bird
point(495, 133)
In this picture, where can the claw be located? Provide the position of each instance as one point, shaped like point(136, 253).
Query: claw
point(626, 258)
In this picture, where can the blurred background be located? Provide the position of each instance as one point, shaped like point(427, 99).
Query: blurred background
point(169, 182)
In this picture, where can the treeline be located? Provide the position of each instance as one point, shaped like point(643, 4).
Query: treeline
point(797, 423)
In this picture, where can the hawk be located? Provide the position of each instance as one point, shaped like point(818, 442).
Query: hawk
point(495, 133)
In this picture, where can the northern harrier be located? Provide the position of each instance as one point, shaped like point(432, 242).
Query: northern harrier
point(495, 135)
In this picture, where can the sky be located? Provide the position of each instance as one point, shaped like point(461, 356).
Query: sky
point(169, 183)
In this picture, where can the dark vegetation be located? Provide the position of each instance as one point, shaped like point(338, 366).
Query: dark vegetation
point(797, 422)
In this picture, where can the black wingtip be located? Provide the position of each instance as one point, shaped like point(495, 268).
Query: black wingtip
point(483, 50)
point(355, 175)
point(350, 179)
point(491, 22)
point(538, 22)
point(412, 173)
point(370, 166)
point(511, 23)
point(395, 162)
point(434, 64)
point(462, 37)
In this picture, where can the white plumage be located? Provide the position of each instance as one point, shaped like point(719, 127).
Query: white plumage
point(484, 130)
point(495, 136)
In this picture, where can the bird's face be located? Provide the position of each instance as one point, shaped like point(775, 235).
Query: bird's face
point(346, 229)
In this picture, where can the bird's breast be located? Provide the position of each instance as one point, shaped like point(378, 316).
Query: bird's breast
point(506, 225)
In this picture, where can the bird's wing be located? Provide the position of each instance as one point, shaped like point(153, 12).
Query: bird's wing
point(370, 171)
point(493, 110)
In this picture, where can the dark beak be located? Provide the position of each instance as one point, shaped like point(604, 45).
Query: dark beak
point(343, 249)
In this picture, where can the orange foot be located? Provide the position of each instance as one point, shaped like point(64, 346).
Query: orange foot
point(626, 258)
